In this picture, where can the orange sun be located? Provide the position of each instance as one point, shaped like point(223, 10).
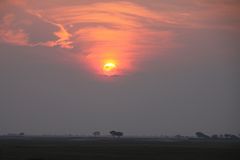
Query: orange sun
point(109, 68)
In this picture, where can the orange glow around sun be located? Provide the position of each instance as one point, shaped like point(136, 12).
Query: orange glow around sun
point(110, 54)
point(109, 64)
point(112, 48)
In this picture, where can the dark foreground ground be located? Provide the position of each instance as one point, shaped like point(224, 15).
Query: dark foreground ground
point(32, 148)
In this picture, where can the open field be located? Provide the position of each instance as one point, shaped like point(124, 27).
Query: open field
point(67, 148)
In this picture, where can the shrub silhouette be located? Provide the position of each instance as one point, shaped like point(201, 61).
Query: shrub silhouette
point(202, 135)
point(116, 134)
point(96, 133)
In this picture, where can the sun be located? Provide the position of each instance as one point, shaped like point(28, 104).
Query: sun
point(109, 68)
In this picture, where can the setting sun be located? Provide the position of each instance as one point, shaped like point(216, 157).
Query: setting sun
point(109, 68)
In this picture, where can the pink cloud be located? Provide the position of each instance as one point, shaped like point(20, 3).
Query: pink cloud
point(71, 19)
point(14, 29)
point(120, 30)
point(10, 34)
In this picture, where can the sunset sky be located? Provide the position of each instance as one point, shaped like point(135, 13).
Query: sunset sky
point(144, 67)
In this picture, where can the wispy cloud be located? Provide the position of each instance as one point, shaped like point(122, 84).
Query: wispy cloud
point(63, 36)
point(14, 31)
point(134, 16)
point(10, 34)
point(121, 30)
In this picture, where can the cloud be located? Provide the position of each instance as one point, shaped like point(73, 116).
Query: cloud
point(72, 20)
point(10, 34)
point(63, 36)
point(106, 31)
point(120, 30)
point(115, 19)
point(17, 23)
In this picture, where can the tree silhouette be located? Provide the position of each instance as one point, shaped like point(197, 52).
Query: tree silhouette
point(21, 134)
point(96, 133)
point(202, 135)
point(116, 134)
point(230, 136)
point(215, 136)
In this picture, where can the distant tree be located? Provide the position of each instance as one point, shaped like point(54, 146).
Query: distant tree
point(215, 136)
point(230, 136)
point(21, 134)
point(112, 133)
point(96, 133)
point(179, 136)
point(234, 136)
point(202, 135)
point(227, 136)
point(116, 134)
point(221, 136)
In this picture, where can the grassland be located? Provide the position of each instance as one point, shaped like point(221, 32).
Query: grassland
point(75, 148)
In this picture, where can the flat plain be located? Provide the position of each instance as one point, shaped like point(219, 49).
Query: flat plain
point(77, 148)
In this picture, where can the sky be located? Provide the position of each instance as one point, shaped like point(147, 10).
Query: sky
point(143, 67)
